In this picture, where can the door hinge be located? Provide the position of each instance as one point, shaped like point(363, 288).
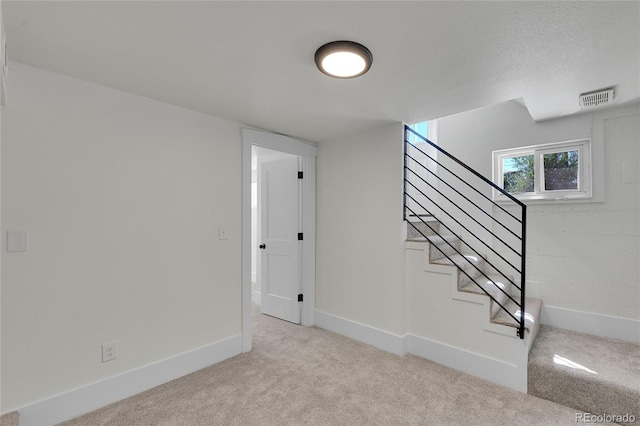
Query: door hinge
point(300, 175)
point(300, 297)
point(300, 236)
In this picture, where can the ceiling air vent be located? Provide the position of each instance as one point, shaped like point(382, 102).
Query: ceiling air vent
point(597, 98)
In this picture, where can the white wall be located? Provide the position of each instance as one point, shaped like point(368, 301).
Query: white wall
point(581, 256)
point(452, 327)
point(359, 228)
point(122, 197)
point(2, 97)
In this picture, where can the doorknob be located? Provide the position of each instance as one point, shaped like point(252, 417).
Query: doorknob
point(263, 246)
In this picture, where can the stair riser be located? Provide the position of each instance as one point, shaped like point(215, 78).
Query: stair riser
point(471, 271)
point(495, 308)
point(413, 233)
point(437, 253)
point(492, 289)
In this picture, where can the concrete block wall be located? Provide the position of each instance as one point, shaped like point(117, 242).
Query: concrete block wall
point(581, 256)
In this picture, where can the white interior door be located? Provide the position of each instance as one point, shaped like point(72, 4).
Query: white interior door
point(279, 214)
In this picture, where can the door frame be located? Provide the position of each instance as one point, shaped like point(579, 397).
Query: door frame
point(307, 152)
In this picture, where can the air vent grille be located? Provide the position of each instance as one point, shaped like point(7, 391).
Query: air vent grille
point(597, 98)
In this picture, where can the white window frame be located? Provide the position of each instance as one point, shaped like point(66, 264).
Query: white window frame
point(583, 146)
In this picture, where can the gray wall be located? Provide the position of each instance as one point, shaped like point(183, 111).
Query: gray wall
point(360, 263)
point(122, 197)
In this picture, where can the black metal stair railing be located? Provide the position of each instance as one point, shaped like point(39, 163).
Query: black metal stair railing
point(440, 195)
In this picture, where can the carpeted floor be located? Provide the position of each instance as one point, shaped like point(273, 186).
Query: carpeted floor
point(296, 375)
point(589, 373)
point(10, 419)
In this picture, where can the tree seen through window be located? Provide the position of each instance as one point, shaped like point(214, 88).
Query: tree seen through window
point(518, 174)
point(560, 170)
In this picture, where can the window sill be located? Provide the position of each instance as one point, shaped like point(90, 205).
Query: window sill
point(538, 199)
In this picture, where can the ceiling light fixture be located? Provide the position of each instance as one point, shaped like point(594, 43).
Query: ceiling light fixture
point(343, 59)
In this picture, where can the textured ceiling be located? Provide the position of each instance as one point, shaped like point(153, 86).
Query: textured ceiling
point(252, 62)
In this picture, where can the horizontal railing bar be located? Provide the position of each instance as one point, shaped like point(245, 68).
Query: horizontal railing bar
point(498, 271)
point(461, 270)
point(502, 191)
point(463, 196)
point(462, 240)
point(464, 272)
point(467, 213)
point(462, 180)
point(474, 250)
point(458, 266)
point(522, 221)
point(468, 230)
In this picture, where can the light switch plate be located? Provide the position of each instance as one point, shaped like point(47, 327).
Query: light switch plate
point(222, 233)
point(17, 241)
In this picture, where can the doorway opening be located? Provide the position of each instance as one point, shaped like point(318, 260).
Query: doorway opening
point(275, 225)
point(278, 235)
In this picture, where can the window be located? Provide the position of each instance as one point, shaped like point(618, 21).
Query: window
point(421, 128)
point(556, 171)
point(427, 129)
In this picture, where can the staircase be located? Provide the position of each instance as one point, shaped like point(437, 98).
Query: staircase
point(473, 277)
point(465, 256)
point(468, 309)
point(466, 262)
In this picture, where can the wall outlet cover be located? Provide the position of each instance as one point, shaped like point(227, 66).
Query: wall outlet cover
point(109, 351)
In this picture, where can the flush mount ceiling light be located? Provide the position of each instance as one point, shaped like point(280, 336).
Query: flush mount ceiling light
point(343, 59)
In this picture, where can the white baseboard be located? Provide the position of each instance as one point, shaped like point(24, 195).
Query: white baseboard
point(500, 372)
point(363, 333)
point(596, 324)
point(76, 402)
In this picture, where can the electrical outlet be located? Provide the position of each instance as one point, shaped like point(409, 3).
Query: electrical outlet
point(109, 351)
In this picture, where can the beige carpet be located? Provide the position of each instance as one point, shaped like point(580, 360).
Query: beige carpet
point(297, 375)
point(589, 373)
point(10, 419)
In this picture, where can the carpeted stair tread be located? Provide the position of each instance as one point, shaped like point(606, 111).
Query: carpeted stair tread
point(441, 245)
point(589, 373)
point(469, 266)
point(434, 239)
point(491, 288)
point(459, 260)
point(416, 229)
point(10, 419)
point(532, 314)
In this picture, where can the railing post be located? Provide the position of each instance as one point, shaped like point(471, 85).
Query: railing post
point(404, 182)
point(522, 270)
